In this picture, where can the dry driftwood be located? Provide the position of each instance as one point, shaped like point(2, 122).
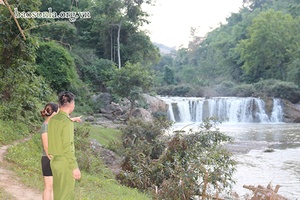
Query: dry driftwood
point(262, 193)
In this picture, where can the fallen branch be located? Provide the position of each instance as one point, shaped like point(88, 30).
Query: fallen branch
point(13, 15)
point(262, 193)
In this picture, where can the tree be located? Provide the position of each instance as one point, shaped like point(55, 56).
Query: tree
point(138, 48)
point(267, 51)
point(21, 91)
point(57, 6)
point(114, 32)
point(92, 70)
point(169, 76)
point(130, 82)
point(63, 32)
point(254, 4)
point(56, 65)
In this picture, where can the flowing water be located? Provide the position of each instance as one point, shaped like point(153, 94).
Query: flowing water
point(259, 167)
point(226, 109)
point(254, 131)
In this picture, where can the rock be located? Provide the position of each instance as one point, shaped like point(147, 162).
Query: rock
point(102, 100)
point(142, 113)
point(111, 160)
point(269, 150)
point(109, 116)
point(90, 119)
point(291, 112)
point(155, 104)
point(119, 111)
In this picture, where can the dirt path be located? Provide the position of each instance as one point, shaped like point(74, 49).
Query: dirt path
point(11, 184)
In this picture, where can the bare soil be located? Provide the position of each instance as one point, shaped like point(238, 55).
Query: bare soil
point(11, 183)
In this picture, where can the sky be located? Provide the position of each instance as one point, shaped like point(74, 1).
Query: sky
point(171, 20)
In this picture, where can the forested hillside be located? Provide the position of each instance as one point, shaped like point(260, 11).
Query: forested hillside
point(41, 56)
point(239, 58)
point(255, 53)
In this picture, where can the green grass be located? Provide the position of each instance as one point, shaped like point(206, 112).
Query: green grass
point(5, 195)
point(91, 187)
point(107, 137)
point(11, 131)
point(24, 159)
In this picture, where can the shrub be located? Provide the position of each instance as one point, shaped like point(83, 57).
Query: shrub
point(225, 88)
point(245, 90)
point(285, 90)
point(278, 89)
point(185, 165)
point(196, 91)
point(173, 90)
point(143, 145)
point(263, 88)
point(165, 90)
point(88, 159)
point(181, 90)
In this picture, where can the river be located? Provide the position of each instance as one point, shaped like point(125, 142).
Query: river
point(258, 167)
point(254, 130)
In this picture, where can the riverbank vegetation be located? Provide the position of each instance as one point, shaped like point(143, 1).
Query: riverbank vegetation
point(182, 165)
point(98, 181)
point(256, 53)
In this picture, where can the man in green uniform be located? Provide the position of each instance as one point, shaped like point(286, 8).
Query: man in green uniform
point(61, 149)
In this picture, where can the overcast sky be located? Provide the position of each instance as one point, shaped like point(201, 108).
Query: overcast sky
point(171, 20)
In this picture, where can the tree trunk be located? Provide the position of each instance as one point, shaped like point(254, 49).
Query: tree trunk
point(111, 45)
point(118, 42)
point(131, 109)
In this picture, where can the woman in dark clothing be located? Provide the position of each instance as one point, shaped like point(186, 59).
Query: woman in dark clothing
point(49, 110)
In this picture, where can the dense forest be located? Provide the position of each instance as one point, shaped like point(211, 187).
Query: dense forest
point(103, 49)
point(255, 53)
point(43, 56)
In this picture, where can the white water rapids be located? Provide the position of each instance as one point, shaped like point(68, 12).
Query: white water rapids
point(226, 109)
point(257, 167)
point(253, 131)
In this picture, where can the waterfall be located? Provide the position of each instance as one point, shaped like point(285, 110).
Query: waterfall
point(277, 112)
point(225, 109)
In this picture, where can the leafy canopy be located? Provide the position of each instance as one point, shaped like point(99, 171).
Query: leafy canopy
point(56, 65)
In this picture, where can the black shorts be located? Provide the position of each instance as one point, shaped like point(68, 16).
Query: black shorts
point(46, 166)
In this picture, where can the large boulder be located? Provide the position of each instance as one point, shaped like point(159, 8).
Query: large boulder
point(291, 112)
point(155, 104)
point(101, 101)
point(119, 111)
point(142, 114)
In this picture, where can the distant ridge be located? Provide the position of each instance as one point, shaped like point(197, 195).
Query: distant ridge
point(164, 49)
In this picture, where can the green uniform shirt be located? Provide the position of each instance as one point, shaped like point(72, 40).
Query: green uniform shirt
point(61, 138)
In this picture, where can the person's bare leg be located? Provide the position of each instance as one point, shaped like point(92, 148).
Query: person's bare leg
point(48, 188)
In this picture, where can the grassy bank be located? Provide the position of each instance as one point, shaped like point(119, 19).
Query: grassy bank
point(24, 159)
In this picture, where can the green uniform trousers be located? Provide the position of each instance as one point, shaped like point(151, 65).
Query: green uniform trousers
point(63, 181)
